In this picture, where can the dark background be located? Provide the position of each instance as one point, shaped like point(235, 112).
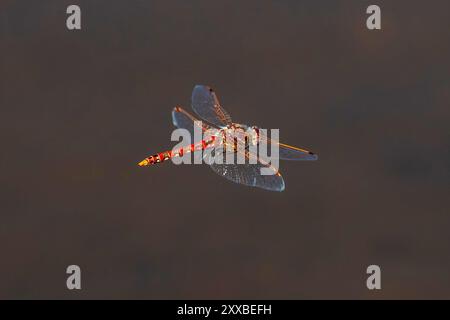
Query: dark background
point(79, 109)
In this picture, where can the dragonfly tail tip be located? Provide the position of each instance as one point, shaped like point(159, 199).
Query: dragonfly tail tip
point(143, 163)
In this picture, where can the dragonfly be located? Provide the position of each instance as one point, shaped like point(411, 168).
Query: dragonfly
point(218, 122)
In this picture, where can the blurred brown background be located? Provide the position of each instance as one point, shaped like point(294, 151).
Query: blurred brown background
point(80, 108)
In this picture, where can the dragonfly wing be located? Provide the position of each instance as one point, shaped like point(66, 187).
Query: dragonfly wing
point(184, 120)
point(293, 153)
point(250, 174)
point(207, 106)
point(287, 152)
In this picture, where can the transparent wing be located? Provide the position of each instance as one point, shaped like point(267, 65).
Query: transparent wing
point(183, 119)
point(287, 152)
point(250, 174)
point(207, 106)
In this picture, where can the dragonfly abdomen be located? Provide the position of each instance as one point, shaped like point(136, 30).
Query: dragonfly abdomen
point(164, 156)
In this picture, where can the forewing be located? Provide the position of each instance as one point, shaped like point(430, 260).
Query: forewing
point(287, 152)
point(207, 106)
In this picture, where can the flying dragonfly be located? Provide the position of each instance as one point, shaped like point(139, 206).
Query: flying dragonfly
point(218, 123)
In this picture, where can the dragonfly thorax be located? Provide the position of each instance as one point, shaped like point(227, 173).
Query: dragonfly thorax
point(241, 132)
